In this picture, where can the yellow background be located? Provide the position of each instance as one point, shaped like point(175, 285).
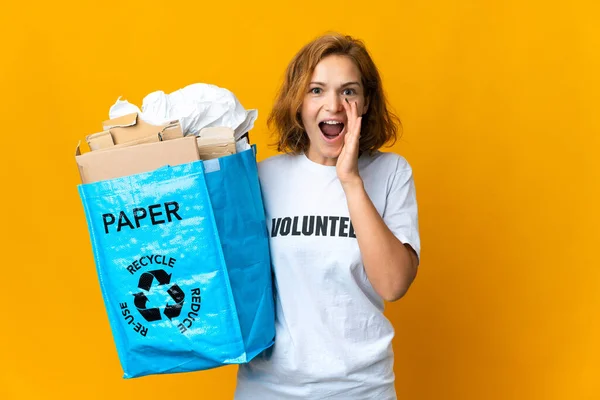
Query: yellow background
point(499, 102)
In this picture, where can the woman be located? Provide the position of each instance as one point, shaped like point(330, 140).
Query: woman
point(343, 231)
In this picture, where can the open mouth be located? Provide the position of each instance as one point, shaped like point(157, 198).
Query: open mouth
point(331, 129)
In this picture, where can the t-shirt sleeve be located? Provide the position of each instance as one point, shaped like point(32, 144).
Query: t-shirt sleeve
point(400, 214)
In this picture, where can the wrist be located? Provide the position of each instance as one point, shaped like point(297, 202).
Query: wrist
point(352, 185)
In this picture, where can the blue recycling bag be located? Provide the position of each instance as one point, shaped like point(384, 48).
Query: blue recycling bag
point(183, 261)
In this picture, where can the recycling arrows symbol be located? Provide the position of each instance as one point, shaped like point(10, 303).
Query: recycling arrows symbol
point(145, 283)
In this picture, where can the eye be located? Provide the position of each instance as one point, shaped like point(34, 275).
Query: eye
point(316, 90)
point(349, 92)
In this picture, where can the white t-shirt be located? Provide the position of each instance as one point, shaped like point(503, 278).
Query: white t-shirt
point(332, 340)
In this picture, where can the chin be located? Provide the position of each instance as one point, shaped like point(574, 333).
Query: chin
point(331, 153)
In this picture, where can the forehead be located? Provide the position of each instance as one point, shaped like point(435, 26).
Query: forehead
point(336, 69)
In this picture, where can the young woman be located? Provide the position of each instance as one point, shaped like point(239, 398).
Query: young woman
point(342, 219)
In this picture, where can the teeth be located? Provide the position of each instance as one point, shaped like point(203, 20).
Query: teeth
point(331, 122)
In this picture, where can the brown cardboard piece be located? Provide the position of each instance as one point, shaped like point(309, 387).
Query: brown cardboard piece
point(130, 130)
point(113, 163)
point(215, 142)
point(208, 152)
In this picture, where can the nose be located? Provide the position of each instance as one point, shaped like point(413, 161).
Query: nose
point(334, 103)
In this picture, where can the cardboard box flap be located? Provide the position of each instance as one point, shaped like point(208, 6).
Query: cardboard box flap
point(100, 140)
point(216, 136)
point(113, 163)
point(217, 132)
point(131, 120)
point(125, 120)
point(148, 139)
point(203, 141)
point(131, 128)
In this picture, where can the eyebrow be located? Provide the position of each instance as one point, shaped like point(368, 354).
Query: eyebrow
point(344, 85)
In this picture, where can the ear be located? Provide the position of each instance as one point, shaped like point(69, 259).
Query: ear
point(366, 106)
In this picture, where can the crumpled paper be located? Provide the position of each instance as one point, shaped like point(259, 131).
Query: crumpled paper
point(196, 106)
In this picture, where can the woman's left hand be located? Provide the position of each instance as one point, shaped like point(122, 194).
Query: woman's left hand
point(347, 162)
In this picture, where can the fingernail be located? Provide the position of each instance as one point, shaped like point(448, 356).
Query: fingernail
point(347, 101)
